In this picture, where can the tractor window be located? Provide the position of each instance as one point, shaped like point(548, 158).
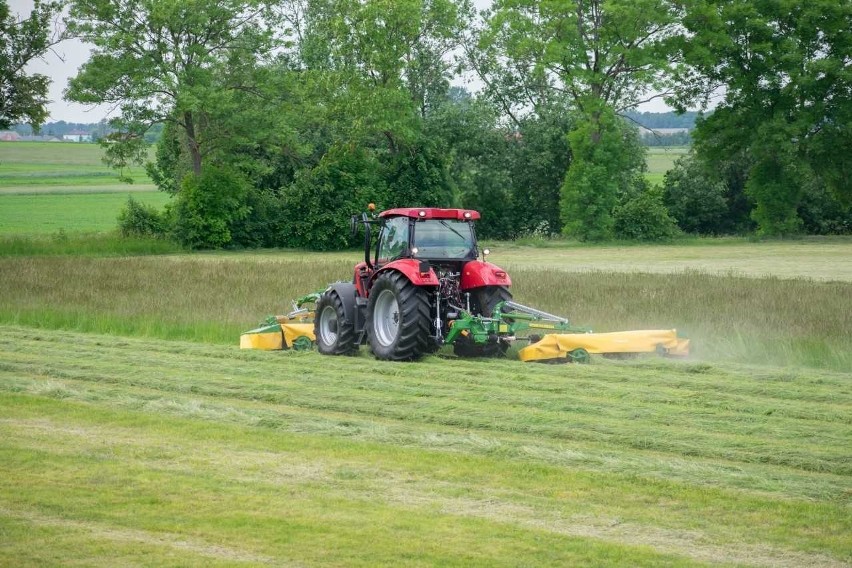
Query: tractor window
point(394, 238)
point(443, 238)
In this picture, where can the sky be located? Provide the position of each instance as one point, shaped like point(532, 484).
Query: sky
point(63, 61)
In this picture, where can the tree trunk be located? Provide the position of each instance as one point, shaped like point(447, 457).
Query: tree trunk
point(194, 150)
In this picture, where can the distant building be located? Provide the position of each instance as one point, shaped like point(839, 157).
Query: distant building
point(77, 136)
point(661, 131)
point(9, 136)
point(35, 138)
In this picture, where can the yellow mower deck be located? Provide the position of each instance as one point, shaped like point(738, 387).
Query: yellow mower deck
point(563, 345)
point(286, 333)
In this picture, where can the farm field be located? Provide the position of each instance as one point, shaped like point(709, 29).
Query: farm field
point(50, 186)
point(817, 258)
point(211, 298)
point(44, 214)
point(133, 431)
point(121, 440)
point(660, 160)
point(117, 449)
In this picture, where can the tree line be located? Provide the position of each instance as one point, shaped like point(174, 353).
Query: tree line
point(280, 119)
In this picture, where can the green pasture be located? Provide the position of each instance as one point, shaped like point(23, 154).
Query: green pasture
point(72, 212)
point(61, 167)
point(660, 160)
point(46, 187)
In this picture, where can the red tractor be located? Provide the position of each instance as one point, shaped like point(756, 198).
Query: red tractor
point(422, 272)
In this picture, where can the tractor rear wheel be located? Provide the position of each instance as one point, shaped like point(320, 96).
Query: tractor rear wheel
point(485, 299)
point(334, 336)
point(397, 318)
point(483, 302)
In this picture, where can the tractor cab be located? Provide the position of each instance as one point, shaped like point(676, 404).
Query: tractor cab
point(439, 236)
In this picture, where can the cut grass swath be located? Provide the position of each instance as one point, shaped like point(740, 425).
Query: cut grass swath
point(345, 460)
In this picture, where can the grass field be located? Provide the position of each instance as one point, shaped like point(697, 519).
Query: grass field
point(660, 160)
point(59, 167)
point(212, 298)
point(48, 186)
point(70, 212)
point(116, 450)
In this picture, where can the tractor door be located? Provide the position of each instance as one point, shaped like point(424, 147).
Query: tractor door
point(393, 240)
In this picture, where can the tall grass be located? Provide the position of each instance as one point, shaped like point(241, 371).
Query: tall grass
point(783, 322)
point(62, 243)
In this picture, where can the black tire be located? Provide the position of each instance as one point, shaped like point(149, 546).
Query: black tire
point(400, 331)
point(482, 302)
point(333, 335)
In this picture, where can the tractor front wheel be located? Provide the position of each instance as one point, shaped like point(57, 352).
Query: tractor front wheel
point(397, 318)
point(334, 336)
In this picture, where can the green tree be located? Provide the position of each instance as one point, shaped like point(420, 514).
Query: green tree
point(644, 217)
point(209, 208)
point(540, 155)
point(169, 61)
point(695, 197)
point(475, 152)
point(320, 200)
point(602, 57)
point(784, 65)
point(608, 162)
point(23, 96)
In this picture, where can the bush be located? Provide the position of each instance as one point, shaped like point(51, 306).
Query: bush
point(822, 213)
point(319, 203)
point(644, 217)
point(695, 198)
point(262, 226)
point(140, 220)
point(209, 207)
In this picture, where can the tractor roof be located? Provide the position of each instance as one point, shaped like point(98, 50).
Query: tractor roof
point(432, 213)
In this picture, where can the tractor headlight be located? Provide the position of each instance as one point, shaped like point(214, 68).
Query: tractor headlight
point(414, 250)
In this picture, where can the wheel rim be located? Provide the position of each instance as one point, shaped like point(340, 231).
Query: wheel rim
point(386, 318)
point(328, 325)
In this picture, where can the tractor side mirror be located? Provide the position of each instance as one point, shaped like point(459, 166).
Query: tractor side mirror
point(353, 225)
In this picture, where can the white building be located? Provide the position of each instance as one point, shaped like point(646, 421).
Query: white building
point(77, 136)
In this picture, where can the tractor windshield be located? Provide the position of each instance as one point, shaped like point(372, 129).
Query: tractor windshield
point(444, 238)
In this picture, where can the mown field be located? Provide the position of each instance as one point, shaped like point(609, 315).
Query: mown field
point(131, 451)
point(133, 431)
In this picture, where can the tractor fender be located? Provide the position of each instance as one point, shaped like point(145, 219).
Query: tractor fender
point(347, 292)
point(478, 273)
point(410, 268)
